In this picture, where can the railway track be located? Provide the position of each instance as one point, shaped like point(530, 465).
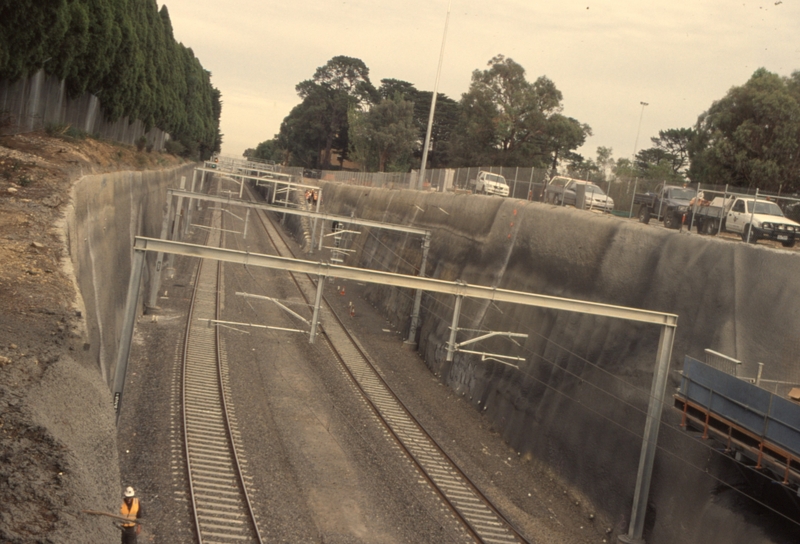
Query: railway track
point(481, 520)
point(217, 485)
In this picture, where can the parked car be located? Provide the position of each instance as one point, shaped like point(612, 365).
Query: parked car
point(668, 203)
point(490, 184)
point(752, 220)
point(563, 190)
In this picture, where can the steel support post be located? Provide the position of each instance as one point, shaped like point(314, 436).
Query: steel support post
point(314, 223)
point(189, 207)
point(128, 322)
point(200, 189)
point(412, 334)
point(451, 344)
point(155, 284)
point(650, 439)
point(177, 222)
point(246, 218)
point(315, 315)
point(286, 202)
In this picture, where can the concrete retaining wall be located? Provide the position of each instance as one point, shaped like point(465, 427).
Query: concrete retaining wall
point(576, 404)
point(106, 212)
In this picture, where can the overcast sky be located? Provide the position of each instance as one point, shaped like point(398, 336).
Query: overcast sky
point(604, 56)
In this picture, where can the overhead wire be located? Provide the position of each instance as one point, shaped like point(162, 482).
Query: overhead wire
point(429, 308)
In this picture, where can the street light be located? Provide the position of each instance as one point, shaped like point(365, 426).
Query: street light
point(433, 103)
point(636, 142)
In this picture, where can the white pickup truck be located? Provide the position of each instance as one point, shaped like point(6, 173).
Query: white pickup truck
point(737, 215)
point(490, 184)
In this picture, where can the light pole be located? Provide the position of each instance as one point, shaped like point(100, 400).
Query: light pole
point(433, 104)
point(636, 142)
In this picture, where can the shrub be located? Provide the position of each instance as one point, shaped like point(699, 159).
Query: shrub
point(174, 147)
point(141, 143)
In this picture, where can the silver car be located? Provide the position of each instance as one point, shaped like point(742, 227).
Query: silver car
point(594, 197)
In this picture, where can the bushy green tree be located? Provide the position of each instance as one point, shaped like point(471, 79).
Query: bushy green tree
point(124, 52)
point(384, 135)
point(509, 121)
point(337, 87)
point(269, 150)
point(445, 119)
point(751, 136)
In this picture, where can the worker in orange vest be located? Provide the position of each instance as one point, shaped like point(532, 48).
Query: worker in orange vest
point(132, 510)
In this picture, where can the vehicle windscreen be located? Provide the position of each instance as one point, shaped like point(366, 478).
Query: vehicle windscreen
point(682, 194)
point(766, 208)
point(494, 178)
point(594, 189)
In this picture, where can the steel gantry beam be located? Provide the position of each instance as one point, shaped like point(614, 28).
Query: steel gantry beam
point(323, 217)
point(667, 322)
point(401, 280)
point(297, 211)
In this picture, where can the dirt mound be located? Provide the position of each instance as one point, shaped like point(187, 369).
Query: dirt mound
point(43, 481)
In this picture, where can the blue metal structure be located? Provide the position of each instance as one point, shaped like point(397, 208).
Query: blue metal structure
point(762, 425)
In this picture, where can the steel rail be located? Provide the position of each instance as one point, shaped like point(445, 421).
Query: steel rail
point(478, 516)
point(220, 503)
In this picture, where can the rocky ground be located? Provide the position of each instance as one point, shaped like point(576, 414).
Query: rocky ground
point(51, 465)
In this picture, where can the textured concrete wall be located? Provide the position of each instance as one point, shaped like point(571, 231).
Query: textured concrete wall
point(576, 404)
point(106, 212)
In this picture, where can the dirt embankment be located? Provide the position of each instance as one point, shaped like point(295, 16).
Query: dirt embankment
point(55, 460)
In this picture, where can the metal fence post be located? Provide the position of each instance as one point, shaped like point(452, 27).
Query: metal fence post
point(721, 219)
point(750, 226)
point(633, 196)
point(530, 185)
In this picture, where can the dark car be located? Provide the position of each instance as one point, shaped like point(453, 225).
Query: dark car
point(667, 202)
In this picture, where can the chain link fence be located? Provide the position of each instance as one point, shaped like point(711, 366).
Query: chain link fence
point(528, 183)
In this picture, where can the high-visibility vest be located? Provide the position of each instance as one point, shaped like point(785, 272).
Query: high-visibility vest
point(129, 512)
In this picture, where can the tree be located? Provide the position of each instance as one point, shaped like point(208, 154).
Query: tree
point(675, 142)
point(507, 120)
point(385, 134)
point(605, 161)
point(343, 83)
point(269, 150)
point(751, 137)
point(303, 134)
point(445, 118)
point(561, 135)
point(124, 52)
